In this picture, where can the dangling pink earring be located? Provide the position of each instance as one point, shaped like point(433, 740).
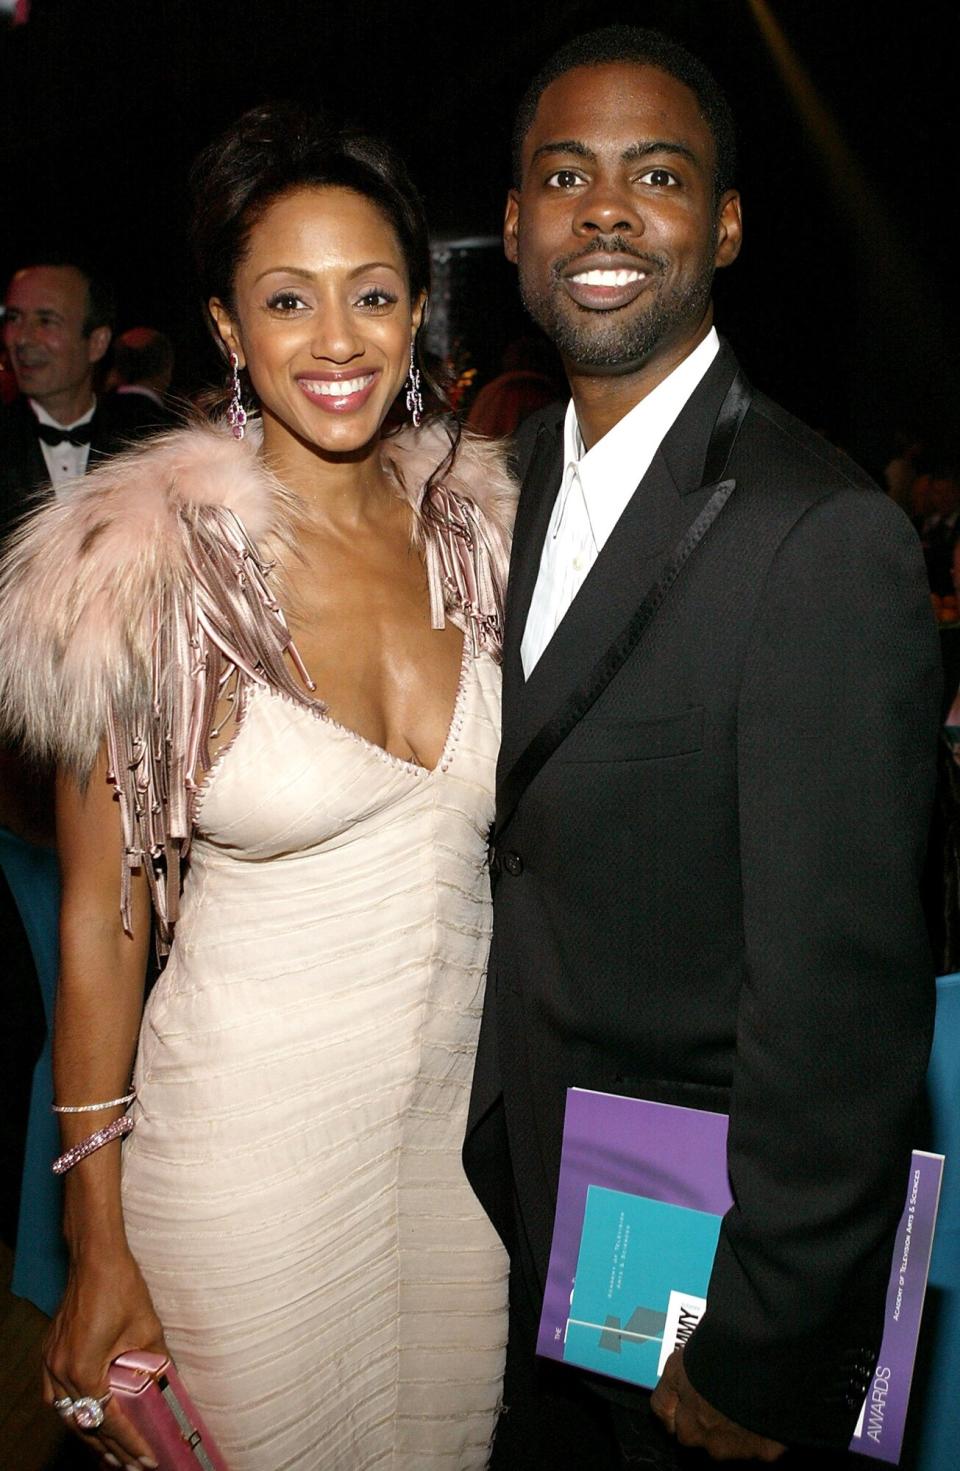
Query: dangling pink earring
point(414, 396)
point(236, 413)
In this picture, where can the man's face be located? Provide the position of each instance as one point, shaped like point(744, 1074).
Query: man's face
point(52, 359)
point(616, 230)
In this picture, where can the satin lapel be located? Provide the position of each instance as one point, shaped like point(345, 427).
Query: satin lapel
point(110, 435)
point(651, 523)
point(664, 505)
point(36, 475)
point(32, 470)
point(104, 440)
point(538, 493)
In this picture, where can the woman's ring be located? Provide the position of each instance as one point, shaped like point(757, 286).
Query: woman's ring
point(88, 1412)
point(64, 1406)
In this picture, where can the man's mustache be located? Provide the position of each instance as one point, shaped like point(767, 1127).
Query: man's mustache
point(609, 245)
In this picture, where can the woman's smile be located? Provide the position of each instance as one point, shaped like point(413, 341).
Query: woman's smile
point(336, 393)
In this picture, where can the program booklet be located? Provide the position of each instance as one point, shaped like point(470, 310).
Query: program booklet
point(643, 1188)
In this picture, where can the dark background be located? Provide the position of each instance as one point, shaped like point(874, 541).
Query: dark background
point(842, 305)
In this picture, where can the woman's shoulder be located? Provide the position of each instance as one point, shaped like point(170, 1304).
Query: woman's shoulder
point(467, 465)
point(464, 499)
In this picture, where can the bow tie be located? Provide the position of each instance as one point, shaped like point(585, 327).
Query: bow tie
point(52, 434)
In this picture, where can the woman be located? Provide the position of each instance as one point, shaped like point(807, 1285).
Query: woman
point(321, 734)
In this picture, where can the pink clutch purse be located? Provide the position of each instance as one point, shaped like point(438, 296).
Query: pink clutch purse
point(150, 1393)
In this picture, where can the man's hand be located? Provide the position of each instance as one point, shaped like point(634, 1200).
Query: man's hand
point(686, 1414)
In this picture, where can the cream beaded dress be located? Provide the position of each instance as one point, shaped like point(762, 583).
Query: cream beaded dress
point(329, 1286)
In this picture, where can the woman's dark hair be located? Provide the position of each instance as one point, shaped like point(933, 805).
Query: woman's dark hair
point(276, 149)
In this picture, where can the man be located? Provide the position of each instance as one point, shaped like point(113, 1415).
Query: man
point(143, 368)
point(706, 869)
point(57, 325)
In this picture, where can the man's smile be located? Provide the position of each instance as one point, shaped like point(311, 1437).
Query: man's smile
point(605, 283)
point(607, 278)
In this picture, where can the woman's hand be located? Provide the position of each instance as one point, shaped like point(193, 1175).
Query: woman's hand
point(106, 1311)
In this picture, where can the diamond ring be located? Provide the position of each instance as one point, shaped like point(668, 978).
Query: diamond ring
point(64, 1406)
point(88, 1412)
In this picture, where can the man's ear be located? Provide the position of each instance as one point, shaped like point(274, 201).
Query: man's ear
point(729, 229)
point(97, 343)
point(511, 225)
point(226, 328)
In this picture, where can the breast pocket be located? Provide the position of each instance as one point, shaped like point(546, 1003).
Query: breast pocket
point(635, 740)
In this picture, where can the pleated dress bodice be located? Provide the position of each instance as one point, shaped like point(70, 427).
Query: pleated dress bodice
point(293, 1191)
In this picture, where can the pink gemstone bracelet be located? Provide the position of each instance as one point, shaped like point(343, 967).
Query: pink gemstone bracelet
point(91, 1144)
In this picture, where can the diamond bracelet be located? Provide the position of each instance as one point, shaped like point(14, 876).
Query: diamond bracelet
point(93, 1107)
point(91, 1144)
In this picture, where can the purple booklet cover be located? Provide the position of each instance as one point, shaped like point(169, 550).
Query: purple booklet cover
point(679, 1155)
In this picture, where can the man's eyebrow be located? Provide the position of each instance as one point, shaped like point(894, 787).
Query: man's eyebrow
point(636, 151)
point(657, 145)
point(564, 145)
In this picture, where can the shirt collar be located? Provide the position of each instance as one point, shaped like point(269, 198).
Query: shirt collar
point(142, 390)
point(612, 469)
point(46, 418)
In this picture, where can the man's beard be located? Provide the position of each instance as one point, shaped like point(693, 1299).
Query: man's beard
point(622, 338)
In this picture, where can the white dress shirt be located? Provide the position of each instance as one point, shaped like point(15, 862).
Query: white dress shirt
point(64, 461)
point(143, 390)
point(594, 491)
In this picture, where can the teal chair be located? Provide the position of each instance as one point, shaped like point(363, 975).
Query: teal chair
point(933, 1438)
point(40, 1263)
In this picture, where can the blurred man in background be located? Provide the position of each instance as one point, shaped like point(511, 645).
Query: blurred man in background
point(143, 370)
point(57, 327)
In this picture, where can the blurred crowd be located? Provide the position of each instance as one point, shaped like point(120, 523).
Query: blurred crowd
point(928, 489)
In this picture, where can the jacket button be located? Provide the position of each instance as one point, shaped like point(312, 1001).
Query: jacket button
point(513, 864)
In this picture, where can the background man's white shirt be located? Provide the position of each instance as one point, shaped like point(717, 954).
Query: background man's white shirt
point(64, 461)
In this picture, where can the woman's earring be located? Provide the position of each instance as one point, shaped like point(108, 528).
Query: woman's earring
point(414, 396)
point(236, 413)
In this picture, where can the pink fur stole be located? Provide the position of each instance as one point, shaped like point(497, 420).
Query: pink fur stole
point(129, 602)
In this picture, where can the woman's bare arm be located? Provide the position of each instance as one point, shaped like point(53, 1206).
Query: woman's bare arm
point(99, 998)
point(106, 1308)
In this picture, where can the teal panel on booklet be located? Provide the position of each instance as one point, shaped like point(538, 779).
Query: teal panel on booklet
point(641, 1284)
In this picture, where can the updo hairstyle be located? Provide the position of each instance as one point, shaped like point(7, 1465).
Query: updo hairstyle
point(274, 150)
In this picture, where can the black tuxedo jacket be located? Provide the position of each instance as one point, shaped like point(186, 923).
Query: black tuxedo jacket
point(709, 894)
point(119, 421)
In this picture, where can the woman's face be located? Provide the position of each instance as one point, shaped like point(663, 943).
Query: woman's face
point(323, 319)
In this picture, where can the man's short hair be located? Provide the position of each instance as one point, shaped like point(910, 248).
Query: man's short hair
point(101, 296)
point(644, 48)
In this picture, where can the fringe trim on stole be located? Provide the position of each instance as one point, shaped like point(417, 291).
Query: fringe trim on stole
point(225, 622)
